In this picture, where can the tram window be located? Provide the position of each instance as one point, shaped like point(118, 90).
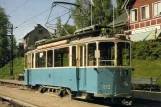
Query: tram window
point(91, 54)
point(29, 61)
point(40, 59)
point(85, 56)
point(49, 58)
point(123, 54)
point(74, 56)
point(61, 57)
point(25, 61)
point(107, 53)
point(81, 56)
point(32, 60)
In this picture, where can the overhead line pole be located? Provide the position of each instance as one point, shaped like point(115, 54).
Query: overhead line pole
point(10, 35)
point(11, 53)
point(92, 4)
point(91, 14)
point(113, 16)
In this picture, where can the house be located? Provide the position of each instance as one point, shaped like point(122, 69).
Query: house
point(120, 23)
point(20, 50)
point(144, 19)
point(39, 33)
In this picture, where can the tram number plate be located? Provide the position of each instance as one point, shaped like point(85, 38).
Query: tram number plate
point(106, 87)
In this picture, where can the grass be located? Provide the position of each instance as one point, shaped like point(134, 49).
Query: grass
point(18, 66)
point(147, 68)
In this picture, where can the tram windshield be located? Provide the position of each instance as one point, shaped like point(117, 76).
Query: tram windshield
point(123, 54)
point(107, 53)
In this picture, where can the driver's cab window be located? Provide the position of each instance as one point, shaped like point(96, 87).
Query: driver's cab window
point(123, 53)
point(107, 53)
point(91, 54)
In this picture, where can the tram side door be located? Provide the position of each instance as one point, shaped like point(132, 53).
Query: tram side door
point(81, 67)
point(29, 66)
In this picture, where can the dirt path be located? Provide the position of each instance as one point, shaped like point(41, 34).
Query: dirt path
point(42, 100)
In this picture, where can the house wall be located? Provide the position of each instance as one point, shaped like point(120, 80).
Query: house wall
point(34, 36)
point(150, 23)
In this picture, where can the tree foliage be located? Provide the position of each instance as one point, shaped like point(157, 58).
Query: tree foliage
point(147, 50)
point(101, 13)
point(58, 26)
point(4, 43)
point(119, 5)
point(65, 29)
point(3, 22)
point(68, 29)
point(5, 40)
point(81, 14)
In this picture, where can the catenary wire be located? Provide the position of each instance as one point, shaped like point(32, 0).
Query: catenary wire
point(33, 17)
point(18, 7)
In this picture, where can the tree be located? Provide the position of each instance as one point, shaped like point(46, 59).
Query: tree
point(81, 14)
point(119, 10)
point(58, 26)
point(65, 29)
point(4, 40)
point(3, 22)
point(68, 29)
point(101, 12)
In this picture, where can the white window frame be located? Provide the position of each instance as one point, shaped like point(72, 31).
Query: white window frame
point(131, 14)
point(157, 9)
point(145, 13)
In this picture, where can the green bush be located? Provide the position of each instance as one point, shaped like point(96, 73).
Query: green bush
point(147, 50)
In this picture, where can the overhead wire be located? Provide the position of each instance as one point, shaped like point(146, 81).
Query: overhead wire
point(18, 7)
point(59, 13)
point(45, 19)
point(42, 13)
point(32, 17)
point(59, 16)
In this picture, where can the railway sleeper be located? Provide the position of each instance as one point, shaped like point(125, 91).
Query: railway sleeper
point(8, 84)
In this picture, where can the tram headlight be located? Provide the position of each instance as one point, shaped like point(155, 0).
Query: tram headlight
point(125, 83)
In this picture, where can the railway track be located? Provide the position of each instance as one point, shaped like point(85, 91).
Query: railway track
point(12, 83)
point(14, 102)
point(19, 85)
point(43, 100)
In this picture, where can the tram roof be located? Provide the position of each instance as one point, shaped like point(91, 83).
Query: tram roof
point(84, 32)
point(91, 31)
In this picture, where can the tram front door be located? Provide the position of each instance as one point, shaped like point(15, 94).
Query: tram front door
point(81, 67)
point(29, 66)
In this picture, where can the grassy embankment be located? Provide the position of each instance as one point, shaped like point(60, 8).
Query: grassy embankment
point(17, 69)
point(143, 68)
point(147, 68)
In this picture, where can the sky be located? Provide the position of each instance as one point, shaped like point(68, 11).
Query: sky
point(19, 13)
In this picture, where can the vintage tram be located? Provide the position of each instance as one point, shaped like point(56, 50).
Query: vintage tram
point(87, 63)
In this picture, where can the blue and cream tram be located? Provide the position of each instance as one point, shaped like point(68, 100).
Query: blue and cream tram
point(85, 62)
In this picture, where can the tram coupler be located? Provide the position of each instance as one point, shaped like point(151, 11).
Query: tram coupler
point(127, 102)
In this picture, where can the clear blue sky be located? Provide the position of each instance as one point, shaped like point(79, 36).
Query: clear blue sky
point(27, 11)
